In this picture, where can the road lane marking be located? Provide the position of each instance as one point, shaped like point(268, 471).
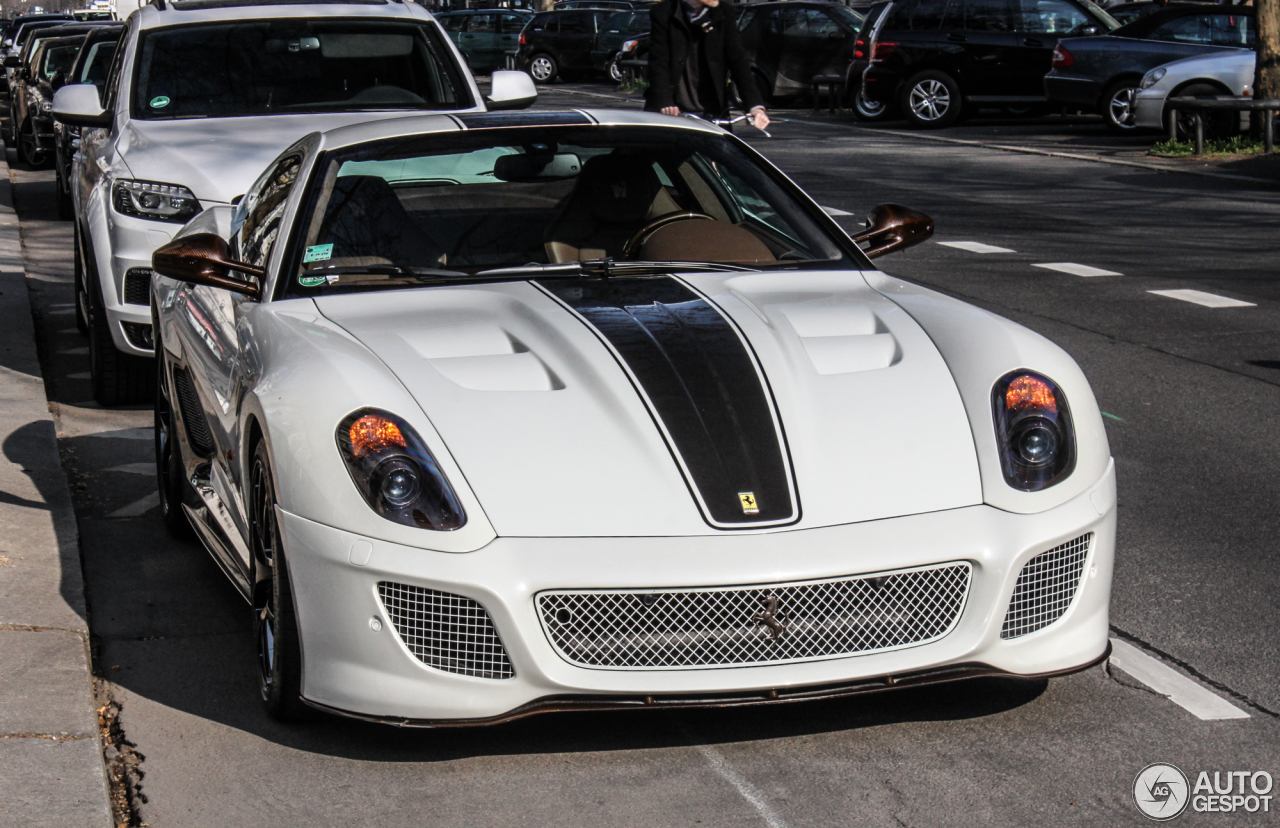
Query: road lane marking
point(748, 791)
point(1166, 681)
point(1077, 269)
point(138, 507)
point(1112, 416)
point(1199, 297)
point(134, 468)
point(148, 433)
point(976, 247)
point(832, 211)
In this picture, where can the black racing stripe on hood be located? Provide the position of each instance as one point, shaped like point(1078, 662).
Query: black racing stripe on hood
point(701, 383)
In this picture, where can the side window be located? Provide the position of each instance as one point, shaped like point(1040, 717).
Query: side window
point(107, 92)
point(97, 63)
point(1052, 17)
point(575, 22)
point(264, 208)
point(1194, 28)
point(483, 23)
point(820, 25)
point(929, 15)
point(795, 22)
point(1233, 30)
point(773, 22)
point(986, 16)
point(511, 24)
point(454, 22)
point(639, 23)
point(899, 15)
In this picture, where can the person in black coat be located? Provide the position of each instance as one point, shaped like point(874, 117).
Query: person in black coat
point(694, 49)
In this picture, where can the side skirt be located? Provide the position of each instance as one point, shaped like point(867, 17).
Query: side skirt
point(218, 532)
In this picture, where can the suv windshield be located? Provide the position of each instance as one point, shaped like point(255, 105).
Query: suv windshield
point(487, 199)
point(256, 67)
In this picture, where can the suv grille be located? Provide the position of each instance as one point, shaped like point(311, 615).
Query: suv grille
point(193, 420)
point(446, 631)
point(721, 627)
point(1045, 587)
point(137, 286)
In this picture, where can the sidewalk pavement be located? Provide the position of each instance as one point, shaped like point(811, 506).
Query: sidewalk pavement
point(51, 766)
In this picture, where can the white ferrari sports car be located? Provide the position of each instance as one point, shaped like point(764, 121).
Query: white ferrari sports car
point(494, 414)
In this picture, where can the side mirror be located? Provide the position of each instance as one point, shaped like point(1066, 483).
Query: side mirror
point(511, 90)
point(78, 105)
point(11, 61)
point(892, 227)
point(204, 259)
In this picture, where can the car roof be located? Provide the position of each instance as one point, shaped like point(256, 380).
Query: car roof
point(175, 12)
point(462, 12)
point(1145, 25)
point(414, 125)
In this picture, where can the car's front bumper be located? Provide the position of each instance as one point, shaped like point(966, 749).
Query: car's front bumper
point(1148, 108)
point(354, 661)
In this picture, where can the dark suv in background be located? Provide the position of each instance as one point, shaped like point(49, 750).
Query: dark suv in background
point(790, 42)
point(940, 59)
point(559, 44)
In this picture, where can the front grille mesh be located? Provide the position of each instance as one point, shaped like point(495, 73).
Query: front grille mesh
point(193, 421)
point(446, 631)
point(1045, 587)
point(673, 629)
point(139, 335)
point(137, 286)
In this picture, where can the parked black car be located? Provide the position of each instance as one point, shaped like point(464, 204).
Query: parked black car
point(1102, 73)
point(485, 37)
point(33, 97)
point(559, 43)
point(790, 42)
point(1126, 13)
point(606, 5)
point(93, 62)
point(19, 67)
point(941, 59)
point(616, 30)
point(865, 108)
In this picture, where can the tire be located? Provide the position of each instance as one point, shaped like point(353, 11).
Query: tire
point(274, 619)
point(614, 71)
point(1116, 107)
point(1216, 125)
point(117, 378)
point(29, 146)
point(543, 68)
point(931, 100)
point(170, 474)
point(82, 298)
point(869, 111)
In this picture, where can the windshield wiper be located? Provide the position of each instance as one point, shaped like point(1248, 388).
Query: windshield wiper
point(385, 270)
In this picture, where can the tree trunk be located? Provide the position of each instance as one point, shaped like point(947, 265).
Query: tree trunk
point(1266, 78)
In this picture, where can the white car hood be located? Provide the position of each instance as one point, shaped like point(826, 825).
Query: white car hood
point(220, 158)
point(558, 434)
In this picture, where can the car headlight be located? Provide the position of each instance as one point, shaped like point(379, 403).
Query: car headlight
point(46, 106)
point(395, 472)
point(630, 45)
point(154, 201)
point(1034, 434)
point(1152, 78)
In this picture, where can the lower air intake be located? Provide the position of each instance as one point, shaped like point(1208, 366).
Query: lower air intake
point(1046, 587)
point(446, 631)
point(193, 421)
point(763, 624)
point(137, 286)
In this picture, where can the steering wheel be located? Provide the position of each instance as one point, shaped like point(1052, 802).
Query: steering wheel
point(633, 244)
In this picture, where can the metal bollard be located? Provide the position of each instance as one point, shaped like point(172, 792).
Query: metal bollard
point(1268, 131)
point(1173, 126)
point(1199, 134)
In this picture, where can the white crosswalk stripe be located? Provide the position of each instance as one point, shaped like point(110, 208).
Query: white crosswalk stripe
point(1077, 269)
point(976, 247)
point(1199, 297)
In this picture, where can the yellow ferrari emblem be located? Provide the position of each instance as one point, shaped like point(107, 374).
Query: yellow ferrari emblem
point(749, 505)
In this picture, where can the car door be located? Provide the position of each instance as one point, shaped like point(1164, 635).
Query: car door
point(509, 28)
point(574, 41)
point(481, 39)
point(1038, 26)
point(987, 42)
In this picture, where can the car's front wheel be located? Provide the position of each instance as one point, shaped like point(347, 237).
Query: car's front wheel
point(932, 100)
point(274, 619)
point(1117, 107)
point(615, 71)
point(1216, 124)
point(543, 68)
point(29, 146)
point(117, 378)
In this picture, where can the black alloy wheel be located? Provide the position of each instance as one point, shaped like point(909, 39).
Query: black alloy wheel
point(543, 68)
point(170, 477)
point(614, 71)
point(1117, 107)
point(931, 100)
point(1216, 124)
point(82, 298)
point(869, 111)
point(29, 146)
point(275, 623)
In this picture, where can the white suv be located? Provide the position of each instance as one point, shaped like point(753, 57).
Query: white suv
point(200, 97)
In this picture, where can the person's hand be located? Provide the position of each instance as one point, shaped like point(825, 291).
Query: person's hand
point(759, 118)
point(670, 110)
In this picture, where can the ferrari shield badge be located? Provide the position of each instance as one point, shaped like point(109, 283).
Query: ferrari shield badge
point(749, 505)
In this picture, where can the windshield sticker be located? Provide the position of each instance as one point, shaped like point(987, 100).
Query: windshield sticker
point(159, 102)
point(311, 280)
point(317, 253)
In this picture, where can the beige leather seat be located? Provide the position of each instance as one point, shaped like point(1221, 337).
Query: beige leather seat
point(616, 195)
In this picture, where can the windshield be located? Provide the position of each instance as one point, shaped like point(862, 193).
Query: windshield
point(271, 66)
point(97, 63)
point(503, 198)
point(59, 58)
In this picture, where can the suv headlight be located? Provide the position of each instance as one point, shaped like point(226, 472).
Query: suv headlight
point(154, 201)
point(1152, 78)
point(630, 45)
point(395, 472)
point(1036, 440)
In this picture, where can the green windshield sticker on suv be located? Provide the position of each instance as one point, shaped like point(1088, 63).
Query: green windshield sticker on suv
point(311, 280)
point(159, 102)
point(317, 253)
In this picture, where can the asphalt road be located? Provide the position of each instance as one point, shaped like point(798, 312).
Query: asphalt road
point(1192, 399)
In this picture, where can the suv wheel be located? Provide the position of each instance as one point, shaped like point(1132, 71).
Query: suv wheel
point(868, 110)
point(543, 68)
point(615, 71)
point(931, 100)
point(1216, 124)
point(117, 378)
point(1117, 106)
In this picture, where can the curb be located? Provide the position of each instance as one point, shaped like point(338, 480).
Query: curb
point(51, 766)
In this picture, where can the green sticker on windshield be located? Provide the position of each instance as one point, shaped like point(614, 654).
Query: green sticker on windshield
point(159, 102)
point(317, 253)
point(311, 281)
